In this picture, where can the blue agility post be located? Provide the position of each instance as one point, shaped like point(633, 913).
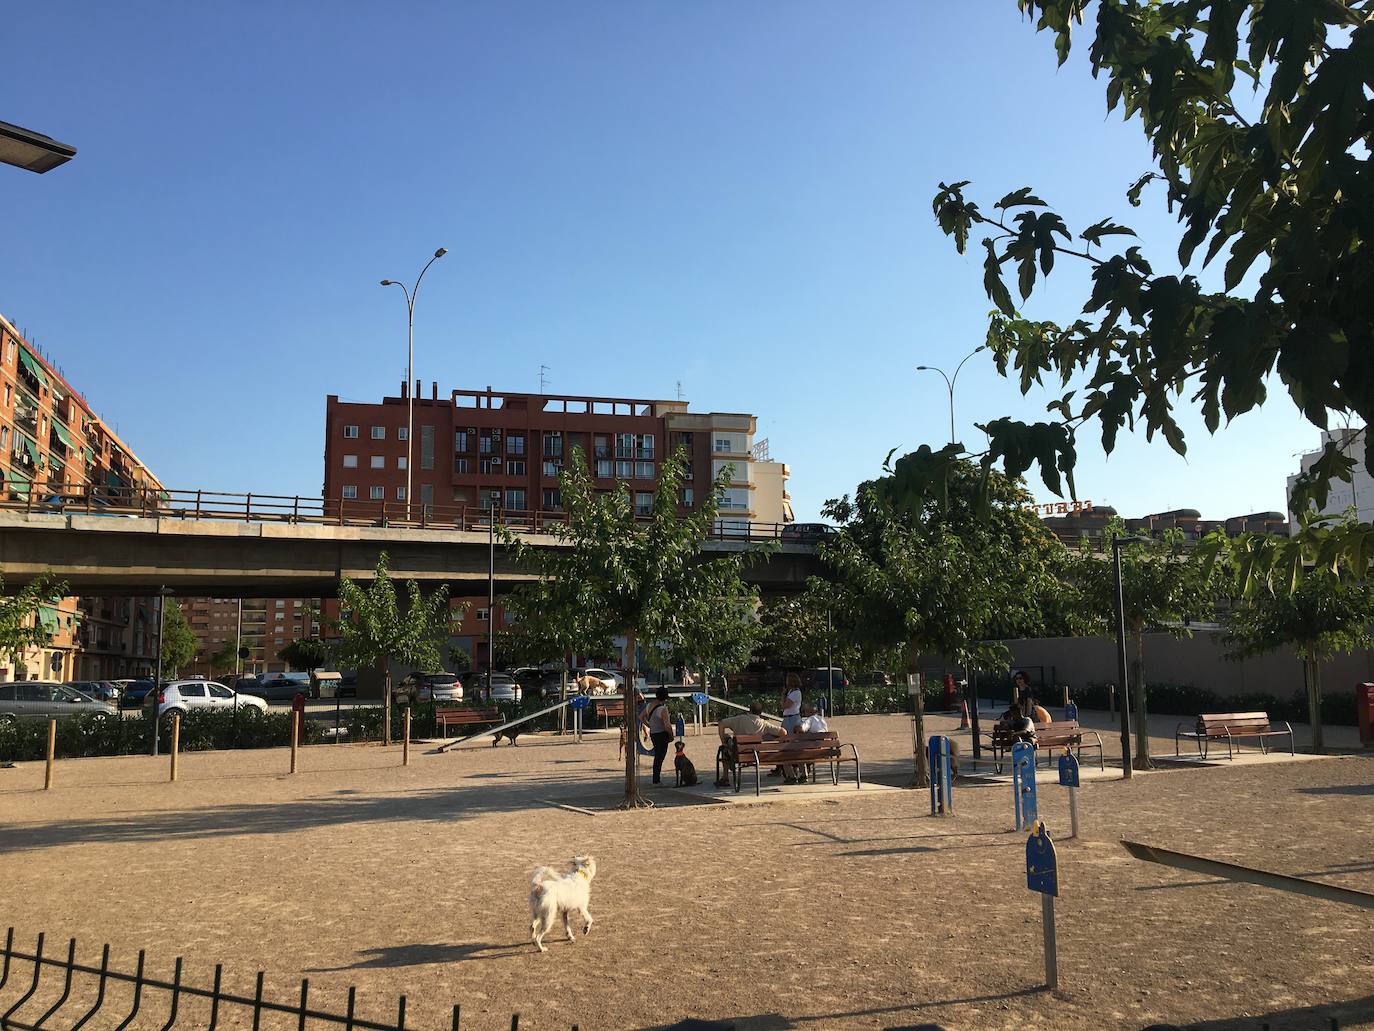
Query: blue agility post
point(941, 777)
point(1023, 784)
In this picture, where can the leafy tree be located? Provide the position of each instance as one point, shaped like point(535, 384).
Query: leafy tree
point(20, 627)
point(178, 639)
point(224, 659)
point(376, 628)
point(1261, 123)
point(305, 654)
point(930, 577)
point(1326, 613)
point(621, 574)
point(1163, 587)
point(459, 660)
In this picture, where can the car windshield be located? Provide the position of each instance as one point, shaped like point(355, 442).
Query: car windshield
point(67, 694)
point(442, 679)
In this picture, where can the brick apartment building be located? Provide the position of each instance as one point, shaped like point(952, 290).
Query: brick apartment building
point(265, 626)
point(52, 442)
point(476, 448)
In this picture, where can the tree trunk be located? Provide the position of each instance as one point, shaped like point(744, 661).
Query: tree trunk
point(920, 777)
point(633, 799)
point(1312, 676)
point(386, 706)
point(1142, 725)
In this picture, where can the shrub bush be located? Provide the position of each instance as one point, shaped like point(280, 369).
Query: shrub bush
point(1171, 699)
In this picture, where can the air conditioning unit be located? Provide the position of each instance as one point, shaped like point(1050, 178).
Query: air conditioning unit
point(496, 432)
point(472, 430)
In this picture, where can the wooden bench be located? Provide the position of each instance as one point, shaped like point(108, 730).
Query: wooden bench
point(466, 716)
point(1231, 726)
point(611, 710)
point(1049, 736)
point(800, 749)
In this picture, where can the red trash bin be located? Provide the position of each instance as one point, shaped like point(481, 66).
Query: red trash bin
point(1364, 710)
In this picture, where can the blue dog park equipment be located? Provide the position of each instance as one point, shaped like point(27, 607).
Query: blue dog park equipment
point(1068, 777)
point(1023, 784)
point(1042, 875)
point(941, 777)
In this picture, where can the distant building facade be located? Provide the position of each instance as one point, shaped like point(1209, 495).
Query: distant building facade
point(264, 626)
point(1357, 496)
point(53, 443)
point(1091, 522)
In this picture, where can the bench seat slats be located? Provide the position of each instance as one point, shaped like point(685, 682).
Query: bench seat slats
point(1230, 727)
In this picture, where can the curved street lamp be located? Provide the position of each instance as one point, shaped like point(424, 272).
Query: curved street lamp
point(411, 294)
point(950, 381)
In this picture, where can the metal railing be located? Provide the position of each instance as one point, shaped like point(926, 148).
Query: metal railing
point(91, 499)
point(87, 998)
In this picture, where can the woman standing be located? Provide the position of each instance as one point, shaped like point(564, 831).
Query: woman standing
point(660, 723)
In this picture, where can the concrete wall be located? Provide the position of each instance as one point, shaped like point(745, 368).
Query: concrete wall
point(1199, 660)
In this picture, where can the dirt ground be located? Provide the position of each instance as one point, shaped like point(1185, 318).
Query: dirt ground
point(837, 910)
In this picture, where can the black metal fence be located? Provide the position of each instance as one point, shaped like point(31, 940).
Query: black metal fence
point(43, 991)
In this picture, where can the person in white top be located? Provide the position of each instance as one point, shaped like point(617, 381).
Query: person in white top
point(812, 722)
point(791, 703)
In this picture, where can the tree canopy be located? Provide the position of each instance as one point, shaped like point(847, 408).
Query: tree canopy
point(20, 627)
point(643, 577)
point(178, 639)
point(305, 653)
point(1261, 123)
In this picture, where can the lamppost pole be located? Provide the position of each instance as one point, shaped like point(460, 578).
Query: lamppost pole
point(411, 294)
point(950, 381)
point(491, 587)
point(1121, 670)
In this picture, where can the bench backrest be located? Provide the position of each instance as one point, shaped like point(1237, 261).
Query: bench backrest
point(466, 714)
point(793, 748)
point(1234, 722)
point(1060, 731)
point(611, 708)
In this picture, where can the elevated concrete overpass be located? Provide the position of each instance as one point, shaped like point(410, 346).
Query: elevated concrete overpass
point(220, 557)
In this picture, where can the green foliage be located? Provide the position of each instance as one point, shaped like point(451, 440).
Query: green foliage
point(459, 661)
point(1173, 699)
point(178, 639)
point(1325, 614)
point(1281, 184)
point(377, 628)
point(20, 627)
point(227, 657)
point(305, 654)
point(645, 578)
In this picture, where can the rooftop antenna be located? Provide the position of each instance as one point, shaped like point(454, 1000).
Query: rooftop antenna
point(543, 380)
point(679, 390)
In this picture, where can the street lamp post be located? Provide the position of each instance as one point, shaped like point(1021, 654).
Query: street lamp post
point(411, 294)
point(1121, 670)
point(950, 381)
point(495, 499)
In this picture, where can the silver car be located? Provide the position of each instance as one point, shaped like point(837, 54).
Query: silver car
point(42, 699)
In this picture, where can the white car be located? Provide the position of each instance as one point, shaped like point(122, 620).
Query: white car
point(180, 696)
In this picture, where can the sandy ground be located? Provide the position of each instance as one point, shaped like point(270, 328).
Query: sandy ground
point(833, 909)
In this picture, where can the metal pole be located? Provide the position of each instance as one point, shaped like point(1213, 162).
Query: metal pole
point(491, 589)
point(238, 645)
point(1126, 770)
point(829, 664)
point(951, 409)
point(410, 389)
point(157, 678)
point(176, 744)
point(973, 712)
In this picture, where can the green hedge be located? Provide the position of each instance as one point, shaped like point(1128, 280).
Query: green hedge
point(1173, 699)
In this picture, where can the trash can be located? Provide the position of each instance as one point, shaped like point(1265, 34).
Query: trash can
point(1364, 712)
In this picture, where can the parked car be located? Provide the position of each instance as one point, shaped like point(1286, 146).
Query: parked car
point(423, 687)
point(541, 683)
point(873, 678)
point(181, 696)
point(41, 699)
point(280, 687)
point(503, 688)
point(101, 690)
point(820, 679)
point(348, 686)
point(806, 533)
point(248, 685)
point(133, 692)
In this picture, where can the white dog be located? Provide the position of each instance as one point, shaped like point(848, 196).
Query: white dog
point(552, 893)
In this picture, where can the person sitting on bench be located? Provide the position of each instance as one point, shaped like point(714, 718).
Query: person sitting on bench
point(1038, 713)
point(1015, 724)
point(751, 722)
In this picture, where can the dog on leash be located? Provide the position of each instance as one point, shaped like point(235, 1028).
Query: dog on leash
point(552, 894)
point(683, 768)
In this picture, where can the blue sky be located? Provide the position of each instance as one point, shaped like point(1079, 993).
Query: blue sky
point(731, 195)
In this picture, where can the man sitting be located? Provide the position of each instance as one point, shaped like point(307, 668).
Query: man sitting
point(751, 722)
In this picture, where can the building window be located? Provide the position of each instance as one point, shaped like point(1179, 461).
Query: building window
point(460, 465)
point(426, 447)
point(515, 467)
point(644, 470)
point(350, 461)
point(515, 444)
point(553, 468)
point(350, 491)
point(350, 431)
point(624, 445)
point(602, 444)
point(623, 470)
point(603, 467)
point(400, 493)
point(401, 462)
point(515, 499)
point(427, 495)
point(725, 444)
point(379, 433)
point(687, 497)
point(484, 498)
point(484, 442)
point(734, 497)
point(646, 446)
point(460, 440)
point(490, 465)
point(281, 604)
point(553, 444)
point(377, 493)
point(378, 462)
point(481, 615)
point(403, 433)
point(553, 499)
point(644, 503)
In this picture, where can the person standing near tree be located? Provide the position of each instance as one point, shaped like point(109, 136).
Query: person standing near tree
point(660, 723)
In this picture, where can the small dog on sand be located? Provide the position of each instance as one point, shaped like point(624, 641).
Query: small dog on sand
point(552, 894)
point(510, 734)
point(684, 768)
